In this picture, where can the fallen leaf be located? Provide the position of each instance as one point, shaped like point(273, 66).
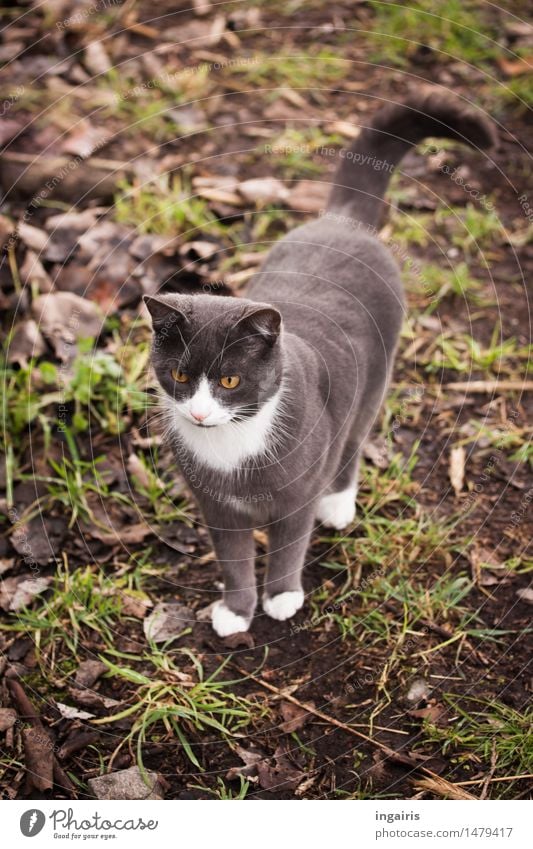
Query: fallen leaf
point(88, 672)
point(309, 196)
point(37, 541)
point(26, 343)
point(69, 712)
point(167, 621)
point(38, 758)
point(241, 638)
point(526, 594)
point(516, 67)
point(250, 759)
point(33, 274)
point(96, 59)
point(8, 717)
point(84, 140)
point(456, 468)
point(127, 784)
point(125, 535)
point(19, 591)
point(434, 713)
point(64, 318)
point(279, 774)
point(32, 237)
point(135, 603)
point(377, 451)
point(294, 717)
point(263, 190)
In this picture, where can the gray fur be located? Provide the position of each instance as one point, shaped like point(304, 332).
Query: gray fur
point(340, 297)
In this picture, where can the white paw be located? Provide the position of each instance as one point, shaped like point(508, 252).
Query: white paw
point(225, 622)
point(283, 605)
point(338, 509)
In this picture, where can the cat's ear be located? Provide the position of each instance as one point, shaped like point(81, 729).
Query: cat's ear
point(164, 314)
point(262, 321)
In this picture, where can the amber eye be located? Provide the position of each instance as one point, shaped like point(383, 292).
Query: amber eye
point(180, 376)
point(230, 382)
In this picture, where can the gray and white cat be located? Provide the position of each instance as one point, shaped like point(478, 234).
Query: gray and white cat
point(270, 398)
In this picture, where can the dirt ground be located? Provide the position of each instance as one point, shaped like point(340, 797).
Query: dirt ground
point(144, 153)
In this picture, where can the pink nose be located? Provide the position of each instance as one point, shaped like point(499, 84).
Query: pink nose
point(198, 416)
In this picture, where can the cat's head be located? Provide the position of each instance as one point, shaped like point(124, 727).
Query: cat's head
point(219, 359)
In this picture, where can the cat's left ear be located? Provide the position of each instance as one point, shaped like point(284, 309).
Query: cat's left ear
point(261, 321)
point(164, 313)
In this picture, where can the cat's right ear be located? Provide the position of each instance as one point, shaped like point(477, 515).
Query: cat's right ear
point(164, 315)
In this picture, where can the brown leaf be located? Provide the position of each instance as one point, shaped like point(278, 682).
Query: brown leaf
point(294, 717)
point(526, 594)
point(69, 712)
point(26, 343)
point(38, 758)
point(516, 67)
point(135, 603)
point(8, 717)
point(64, 318)
point(250, 759)
point(434, 713)
point(88, 672)
point(456, 469)
point(96, 59)
point(32, 237)
point(167, 621)
point(377, 451)
point(84, 140)
point(309, 196)
point(279, 774)
point(263, 190)
point(127, 534)
point(20, 590)
point(241, 638)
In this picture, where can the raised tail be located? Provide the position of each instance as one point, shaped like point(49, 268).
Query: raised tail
point(363, 176)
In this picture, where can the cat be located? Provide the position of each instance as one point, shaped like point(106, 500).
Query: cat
point(270, 398)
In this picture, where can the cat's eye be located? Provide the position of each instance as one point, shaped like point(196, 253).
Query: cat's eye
point(230, 381)
point(179, 376)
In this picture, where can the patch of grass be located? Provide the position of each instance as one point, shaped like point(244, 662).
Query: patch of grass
point(409, 230)
point(173, 698)
point(462, 353)
point(151, 106)
point(510, 438)
point(293, 151)
point(297, 70)
point(470, 228)
point(517, 92)
point(457, 28)
point(80, 600)
point(164, 207)
point(491, 732)
point(439, 283)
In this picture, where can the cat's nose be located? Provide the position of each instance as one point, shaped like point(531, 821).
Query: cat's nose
point(198, 416)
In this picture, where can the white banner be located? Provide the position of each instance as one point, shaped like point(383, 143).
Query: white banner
point(356, 824)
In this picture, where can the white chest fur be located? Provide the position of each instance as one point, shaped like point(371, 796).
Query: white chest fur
point(227, 447)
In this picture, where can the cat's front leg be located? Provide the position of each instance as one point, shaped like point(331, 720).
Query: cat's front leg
point(288, 542)
point(235, 552)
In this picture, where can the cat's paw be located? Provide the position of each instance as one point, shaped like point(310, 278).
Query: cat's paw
point(337, 510)
point(283, 605)
point(225, 622)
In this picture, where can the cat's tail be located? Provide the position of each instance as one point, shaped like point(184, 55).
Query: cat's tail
point(363, 176)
